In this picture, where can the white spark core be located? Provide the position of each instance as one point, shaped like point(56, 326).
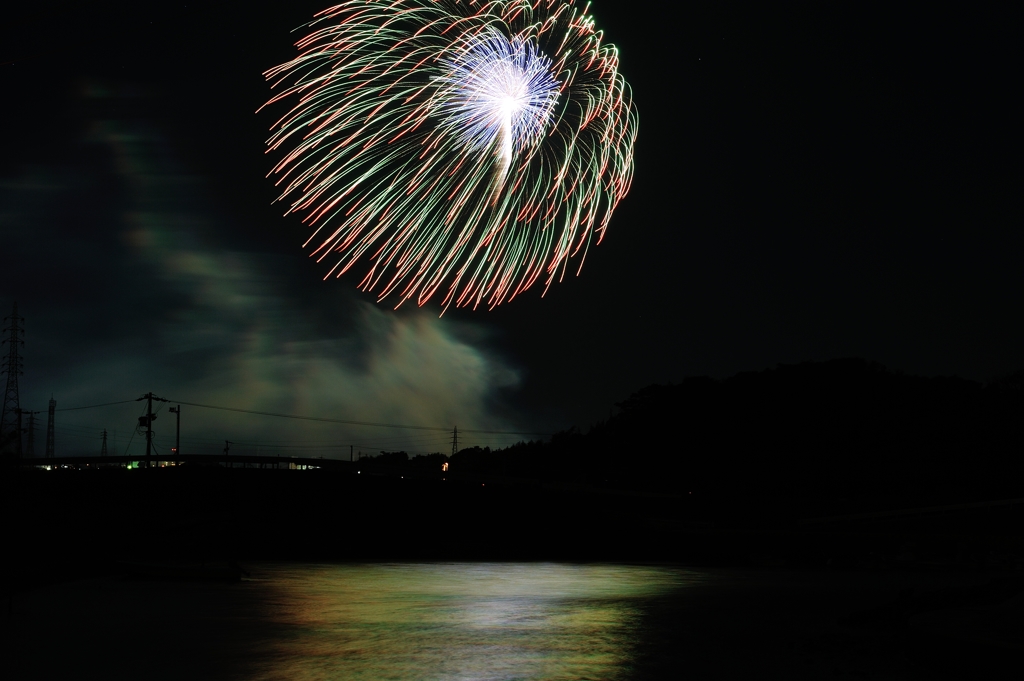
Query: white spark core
point(498, 92)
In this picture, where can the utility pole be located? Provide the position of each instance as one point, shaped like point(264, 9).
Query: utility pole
point(148, 418)
point(227, 448)
point(20, 431)
point(350, 449)
point(30, 449)
point(177, 432)
point(149, 430)
point(103, 447)
point(10, 414)
point(49, 428)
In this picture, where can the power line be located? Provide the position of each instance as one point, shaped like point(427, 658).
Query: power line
point(134, 430)
point(355, 423)
point(251, 443)
point(411, 442)
point(93, 406)
point(442, 429)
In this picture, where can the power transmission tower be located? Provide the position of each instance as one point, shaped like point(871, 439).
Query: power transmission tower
point(30, 448)
point(49, 428)
point(103, 447)
point(10, 416)
point(455, 440)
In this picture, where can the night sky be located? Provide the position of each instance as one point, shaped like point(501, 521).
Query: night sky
point(808, 185)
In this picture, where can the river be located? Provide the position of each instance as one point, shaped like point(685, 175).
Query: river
point(472, 622)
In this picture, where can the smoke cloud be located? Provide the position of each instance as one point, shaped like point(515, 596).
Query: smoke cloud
point(127, 287)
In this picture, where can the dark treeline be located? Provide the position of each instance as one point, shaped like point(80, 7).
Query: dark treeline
point(836, 436)
point(703, 470)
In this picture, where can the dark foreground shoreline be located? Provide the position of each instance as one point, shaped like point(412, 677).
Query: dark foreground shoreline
point(170, 573)
point(74, 518)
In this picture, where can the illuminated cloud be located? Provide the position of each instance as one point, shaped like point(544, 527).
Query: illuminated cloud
point(163, 306)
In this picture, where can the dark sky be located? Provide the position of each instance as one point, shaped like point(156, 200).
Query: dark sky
point(808, 185)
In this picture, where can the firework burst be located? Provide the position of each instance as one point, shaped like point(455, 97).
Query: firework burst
point(462, 148)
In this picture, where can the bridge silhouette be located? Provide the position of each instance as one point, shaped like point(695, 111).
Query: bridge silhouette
point(193, 460)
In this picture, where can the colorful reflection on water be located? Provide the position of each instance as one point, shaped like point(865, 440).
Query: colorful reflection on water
point(461, 621)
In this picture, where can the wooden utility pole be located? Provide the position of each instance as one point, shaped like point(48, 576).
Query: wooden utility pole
point(148, 418)
point(49, 428)
point(30, 448)
point(149, 430)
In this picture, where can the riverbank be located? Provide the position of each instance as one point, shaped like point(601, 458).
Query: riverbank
point(69, 520)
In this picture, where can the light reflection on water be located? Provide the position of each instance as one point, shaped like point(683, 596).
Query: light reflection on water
point(463, 621)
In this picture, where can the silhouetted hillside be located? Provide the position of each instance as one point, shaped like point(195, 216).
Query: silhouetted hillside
point(838, 435)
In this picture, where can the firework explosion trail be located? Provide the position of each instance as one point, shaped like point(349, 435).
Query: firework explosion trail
point(463, 146)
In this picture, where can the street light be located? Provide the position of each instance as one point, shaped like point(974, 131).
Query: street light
point(177, 431)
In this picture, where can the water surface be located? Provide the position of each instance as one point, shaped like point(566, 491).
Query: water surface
point(498, 622)
point(478, 621)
